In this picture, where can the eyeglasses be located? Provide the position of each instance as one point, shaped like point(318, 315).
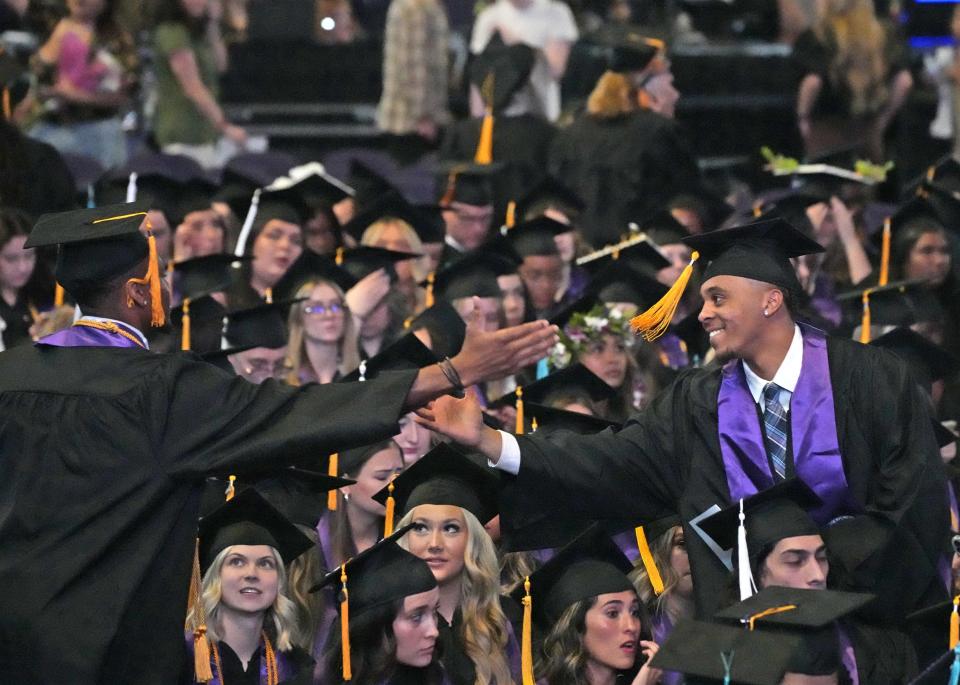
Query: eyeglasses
point(319, 308)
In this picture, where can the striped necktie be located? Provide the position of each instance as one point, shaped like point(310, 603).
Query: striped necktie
point(775, 430)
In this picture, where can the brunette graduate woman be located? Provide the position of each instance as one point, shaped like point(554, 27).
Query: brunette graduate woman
point(122, 440)
point(245, 546)
point(391, 636)
point(448, 498)
point(850, 420)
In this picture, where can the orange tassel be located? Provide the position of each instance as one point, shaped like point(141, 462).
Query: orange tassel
point(534, 425)
point(201, 643)
point(484, 153)
point(332, 472)
point(865, 321)
point(511, 219)
point(526, 639)
point(654, 322)
point(757, 208)
point(345, 624)
point(451, 189)
point(338, 259)
point(653, 573)
point(390, 506)
point(518, 429)
point(954, 624)
point(7, 109)
point(185, 333)
point(231, 489)
point(58, 294)
point(770, 612)
point(152, 278)
point(428, 298)
point(885, 254)
point(268, 295)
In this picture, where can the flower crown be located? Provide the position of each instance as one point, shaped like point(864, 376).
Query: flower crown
point(585, 328)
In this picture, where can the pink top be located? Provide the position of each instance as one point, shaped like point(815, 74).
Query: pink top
point(75, 65)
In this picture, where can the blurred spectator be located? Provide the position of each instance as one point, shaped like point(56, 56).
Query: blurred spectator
point(547, 25)
point(414, 100)
point(855, 79)
point(87, 71)
point(13, 14)
point(943, 68)
point(191, 55)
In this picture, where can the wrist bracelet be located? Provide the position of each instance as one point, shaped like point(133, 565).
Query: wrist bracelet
point(450, 372)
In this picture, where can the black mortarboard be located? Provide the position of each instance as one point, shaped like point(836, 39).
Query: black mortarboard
point(393, 206)
point(206, 324)
point(311, 184)
point(445, 475)
point(248, 519)
point(406, 353)
point(771, 515)
point(311, 266)
point(237, 197)
point(469, 183)
point(14, 79)
point(472, 275)
point(663, 228)
point(899, 303)
point(368, 184)
point(760, 251)
point(588, 566)
point(188, 199)
point(549, 419)
point(915, 210)
point(363, 260)
point(380, 575)
point(945, 436)
point(297, 493)
point(194, 278)
point(625, 49)
point(177, 168)
point(352, 460)
point(507, 66)
point(445, 327)
point(257, 169)
point(434, 227)
point(575, 378)
point(587, 301)
point(941, 188)
point(698, 648)
point(621, 282)
point(636, 250)
point(95, 244)
point(262, 326)
point(811, 608)
point(535, 237)
point(927, 361)
point(549, 192)
point(792, 208)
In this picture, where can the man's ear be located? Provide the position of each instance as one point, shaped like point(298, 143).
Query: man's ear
point(136, 294)
point(773, 301)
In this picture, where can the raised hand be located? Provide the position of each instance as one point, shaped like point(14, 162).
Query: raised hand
point(648, 675)
point(459, 420)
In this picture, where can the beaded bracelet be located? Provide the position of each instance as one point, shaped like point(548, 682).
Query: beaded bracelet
point(451, 374)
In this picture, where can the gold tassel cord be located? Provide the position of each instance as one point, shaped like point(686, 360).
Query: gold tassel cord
point(152, 279)
point(390, 506)
point(7, 109)
point(955, 623)
point(58, 296)
point(526, 646)
point(185, 326)
point(865, 320)
point(268, 295)
point(428, 299)
point(338, 259)
point(511, 218)
point(332, 467)
point(770, 612)
point(484, 151)
point(518, 428)
point(201, 643)
point(345, 624)
point(653, 573)
point(885, 254)
point(231, 489)
point(654, 322)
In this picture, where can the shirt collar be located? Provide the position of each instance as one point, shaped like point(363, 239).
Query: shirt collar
point(786, 376)
point(127, 327)
point(452, 242)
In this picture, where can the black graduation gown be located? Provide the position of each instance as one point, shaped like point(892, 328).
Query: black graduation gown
point(640, 157)
point(103, 455)
point(668, 459)
point(884, 656)
point(456, 663)
point(18, 321)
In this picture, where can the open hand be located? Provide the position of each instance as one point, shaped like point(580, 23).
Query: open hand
point(459, 420)
point(364, 297)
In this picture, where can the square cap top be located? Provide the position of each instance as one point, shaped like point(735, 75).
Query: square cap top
point(444, 325)
point(812, 609)
point(472, 275)
point(468, 183)
point(394, 206)
point(508, 67)
point(535, 237)
point(574, 378)
point(363, 260)
point(310, 266)
point(312, 183)
point(249, 519)
point(549, 192)
point(550, 418)
point(406, 353)
point(620, 281)
point(257, 169)
point(625, 48)
point(927, 361)
point(295, 491)
point(445, 475)
point(201, 276)
point(663, 228)
point(262, 326)
point(85, 225)
point(638, 250)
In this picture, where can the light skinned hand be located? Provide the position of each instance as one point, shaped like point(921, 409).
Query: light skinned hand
point(364, 297)
point(648, 675)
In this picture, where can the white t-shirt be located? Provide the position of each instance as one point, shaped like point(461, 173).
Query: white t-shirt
point(540, 23)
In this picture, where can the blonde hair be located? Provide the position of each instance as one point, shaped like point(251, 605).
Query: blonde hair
point(374, 234)
point(302, 574)
point(281, 617)
point(296, 350)
point(859, 63)
point(662, 550)
point(611, 97)
point(484, 628)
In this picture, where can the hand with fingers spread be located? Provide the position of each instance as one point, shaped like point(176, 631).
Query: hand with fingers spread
point(459, 420)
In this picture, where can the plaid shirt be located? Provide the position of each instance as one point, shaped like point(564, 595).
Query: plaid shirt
point(414, 66)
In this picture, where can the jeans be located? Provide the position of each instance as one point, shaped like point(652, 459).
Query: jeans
point(101, 139)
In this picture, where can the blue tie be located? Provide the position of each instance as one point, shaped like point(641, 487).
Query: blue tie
point(775, 430)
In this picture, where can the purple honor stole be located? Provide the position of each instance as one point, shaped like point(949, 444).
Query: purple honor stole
point(87, 336)
point(813, 433)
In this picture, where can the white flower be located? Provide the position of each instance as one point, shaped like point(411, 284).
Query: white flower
point(616, 314)
point(560, 356)
point(595, 322)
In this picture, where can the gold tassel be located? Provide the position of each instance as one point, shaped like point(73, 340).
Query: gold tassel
point(7, 109)
point(451, 188)
point(865, 321)
point(332, 472)
point(231, 489)
point(885, 254)
point(390, 506)
point(931, 172)
point(511, 219)
point(653, 573)
point(185, 325)
point(345, 624)
point(152, 278)
point(654, 322)
point(526, 644)
point(770, 612)
point(428, 299)
point(518, 429)
point(954, 624)
point(484, 151)
point(201, 644)
point(58, 294)
point(534, 425)
point(615, 255)
point(338, 259)
point(757, 208)
point(268, 295)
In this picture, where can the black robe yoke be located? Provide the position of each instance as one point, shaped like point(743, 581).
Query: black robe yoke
point(669, 456)
point(103, 453)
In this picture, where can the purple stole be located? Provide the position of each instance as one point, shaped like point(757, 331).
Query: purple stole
point(813, 433)
point(627, 542)
point(847, 655)
point(329, 616)
point(660, 630)
point(285, 669)
point(85, 336)
point(673, 351)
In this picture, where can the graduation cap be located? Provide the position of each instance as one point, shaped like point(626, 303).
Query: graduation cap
point(927, 361)
point(262, 326)
point(621, 282)
point(201, 276)
point(406, 353)
point(535, 237)
point(627, 50)
point(298, 493)
point(312, 184)
point(646, 532)
point(249, 519)
point(257, 169)
point(352, 460)
point(310, 266)
point(663, 228)
point(791, 208)
point(759, 251)
point(945, 436)
point(899, 303)
point(637, 250)
point(545, 418)
point(363, 260)
point(14, 83)
point(500, 71)
point(942, 618)
point(368, 184)
point(469, 183)
point(99, 244)
point(429, 228)
point(550, 192)
point(445, 475)
point(727, 654)
point(444, 325)
point(575, 379)
point(587, 301)
point(471, 275)
point(199, 322)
